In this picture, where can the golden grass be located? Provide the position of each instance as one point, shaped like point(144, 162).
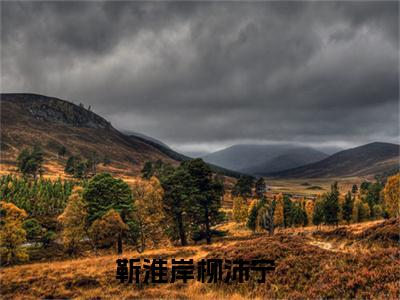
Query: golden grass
point(94, 277)
point(296, 186)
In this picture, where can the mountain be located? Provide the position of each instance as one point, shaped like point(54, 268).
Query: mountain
point(261, 159)
point(291, 159)
point(144, 136)
point(369, 159)
point(28, 119)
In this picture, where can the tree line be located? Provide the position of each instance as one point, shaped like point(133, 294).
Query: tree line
point(370, 201)
point(107, 212)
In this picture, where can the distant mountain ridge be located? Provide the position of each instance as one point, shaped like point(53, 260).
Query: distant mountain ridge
point(369, 159)
point(259, 159)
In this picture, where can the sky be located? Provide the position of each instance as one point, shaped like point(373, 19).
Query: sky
point(201, 76)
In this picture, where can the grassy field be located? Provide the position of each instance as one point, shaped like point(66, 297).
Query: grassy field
point(312, 186)
point(356, 261)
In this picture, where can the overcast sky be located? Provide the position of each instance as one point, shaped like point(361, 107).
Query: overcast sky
point(201, 76)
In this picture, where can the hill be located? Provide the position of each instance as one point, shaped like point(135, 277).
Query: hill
point(27, 119)
point(261, 159)
point(369, 159)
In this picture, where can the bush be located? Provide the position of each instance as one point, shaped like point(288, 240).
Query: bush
point(33, 229)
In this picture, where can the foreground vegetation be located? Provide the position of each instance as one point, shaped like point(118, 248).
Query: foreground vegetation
point(364, 268)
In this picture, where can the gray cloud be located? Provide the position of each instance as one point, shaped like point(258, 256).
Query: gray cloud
point(208, 75)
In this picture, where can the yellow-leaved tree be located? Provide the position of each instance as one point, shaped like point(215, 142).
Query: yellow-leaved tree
point(12, 234)
point(240, 209)
point(391, 194)
point(105, 231)
point(309, 206)
point(73, 220)
point(149, 214)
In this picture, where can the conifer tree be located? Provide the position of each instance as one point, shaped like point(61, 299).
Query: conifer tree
point(177, 203)
point(206, 192)
point(318, 215)
point(147, 170)
point(252, 219)
point(104, 192)
point(260, 187)
point(331, 206)
point(29, 162)
point(347, 208)
point(354, 189)
point(243, 186)
point(287, 211)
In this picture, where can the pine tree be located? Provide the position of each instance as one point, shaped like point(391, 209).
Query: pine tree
point(62, 151)
point(347, 208)
point(260, 187)
point(287, 211)
point(33, 229)
point(243, 186)
point(318, 215)
point(104, 192)
point(70, 165)
point(206, 193)
point(331, 206)
point(252, 219)
point(177, 203)
point(354, 189)
point(147, 170)
point(29, 162)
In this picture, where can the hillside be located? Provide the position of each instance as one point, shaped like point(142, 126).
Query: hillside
point(261, 159)
point(27, 119)
point(369, 159)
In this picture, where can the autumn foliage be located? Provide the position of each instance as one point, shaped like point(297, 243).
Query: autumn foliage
point(391, 194)
point(73, 220)
point(12, 234)
point(105, 229)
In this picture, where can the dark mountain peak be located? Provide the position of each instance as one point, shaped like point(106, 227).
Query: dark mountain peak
point(369, 159)
point(262, 158)
point(55, 110)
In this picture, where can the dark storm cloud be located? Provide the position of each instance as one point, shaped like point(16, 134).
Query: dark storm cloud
point(203, 75)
